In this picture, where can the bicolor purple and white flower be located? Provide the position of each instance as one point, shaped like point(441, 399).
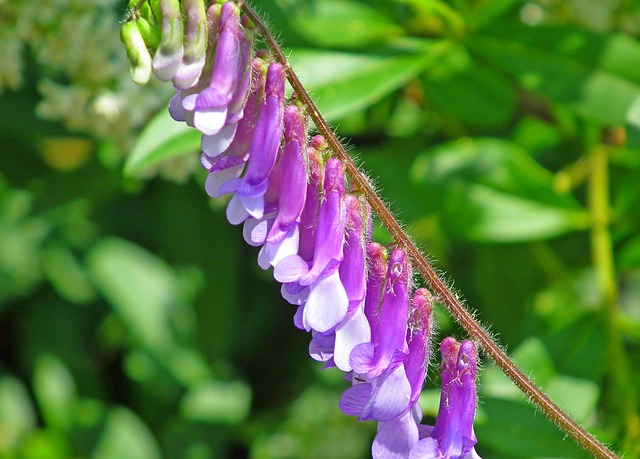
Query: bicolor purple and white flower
point(314, 230)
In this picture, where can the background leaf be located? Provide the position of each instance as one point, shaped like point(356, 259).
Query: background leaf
point(491, 190)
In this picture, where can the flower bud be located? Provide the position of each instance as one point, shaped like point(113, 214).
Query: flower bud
point(168, 58)
point(137, 53)
point(195, 44)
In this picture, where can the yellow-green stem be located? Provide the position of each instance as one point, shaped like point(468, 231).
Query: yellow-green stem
point(623, 394)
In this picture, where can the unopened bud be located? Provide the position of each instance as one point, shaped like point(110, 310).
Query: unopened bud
point(169, 56)
point(137, 52)
point(195, 44)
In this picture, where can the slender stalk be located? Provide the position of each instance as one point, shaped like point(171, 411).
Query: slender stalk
point(439, 287)
point(622, 391)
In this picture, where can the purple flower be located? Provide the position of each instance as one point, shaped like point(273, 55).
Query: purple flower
point(355, 328)
point(418, 338)
point(395, 438)
point(293, 175)
point(249, 190)
point(225, 156)
point(210, 104)
point(373, 359)
point(327, 302)
point(452, 436)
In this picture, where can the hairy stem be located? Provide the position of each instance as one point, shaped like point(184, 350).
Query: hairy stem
point(439, 287)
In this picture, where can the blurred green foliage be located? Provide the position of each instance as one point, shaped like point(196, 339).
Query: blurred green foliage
point(134, 321)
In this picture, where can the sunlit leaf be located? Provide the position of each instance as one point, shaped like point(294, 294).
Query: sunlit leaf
point(344, 83)
point(343, 23)
point(163, 138)
point(125, 435)
point(17, 416)
point(491, 190)
point(141, 288)
point(595, 75)
point(55, 391)
point(217, 402)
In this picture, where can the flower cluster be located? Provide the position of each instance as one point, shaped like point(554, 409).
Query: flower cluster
point(314, 229)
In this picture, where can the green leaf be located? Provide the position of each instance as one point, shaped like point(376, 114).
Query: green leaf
point(17, 416)
point(163, 138)
point(55, 391)
point(217, 402)
point(578, 397)
point(516, 430)
point(141, 288)
point(340, 23)
point(346, 83)
point(125, 435)
point(471, 93)
point(66, 274)
point(491, 190)
point(633, 125)
point(46, 444)
point(597, 76)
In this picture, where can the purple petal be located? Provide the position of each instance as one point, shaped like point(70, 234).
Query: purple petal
point(355, 398)
point(321, 346)
point(454, 425)
point(330, 227)
point(377, 257)
point(416, 362)
point(352, 269)
point(226, 61)
point(216, 179)
point(392, 396)
point(255, 231)
point(176, 111)
point(396, 438)
point(425, 448)
point(288, 246)
point(290, 269)
point(268, 131)
point(296, 296)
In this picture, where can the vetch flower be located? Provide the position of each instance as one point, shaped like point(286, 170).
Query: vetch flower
point(327, 302)
point(452, 437)
point(249, 190)
point(372, 359)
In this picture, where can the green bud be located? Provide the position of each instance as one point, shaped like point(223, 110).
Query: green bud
point(137, 52)
point(169, 56)
point(195, 38)
point(150, 34)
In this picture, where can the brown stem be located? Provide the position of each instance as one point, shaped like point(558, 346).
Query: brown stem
point(446, 296)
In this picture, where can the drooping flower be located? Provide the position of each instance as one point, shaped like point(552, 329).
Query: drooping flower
point(249, 190)
point(373, 359)
point(453, 437)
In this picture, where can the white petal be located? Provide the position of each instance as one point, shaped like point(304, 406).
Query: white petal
point(216, 179)
point(211, 120)
point(327, 303)
point(353, 330)
point(213, 145)
point(236, 213)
